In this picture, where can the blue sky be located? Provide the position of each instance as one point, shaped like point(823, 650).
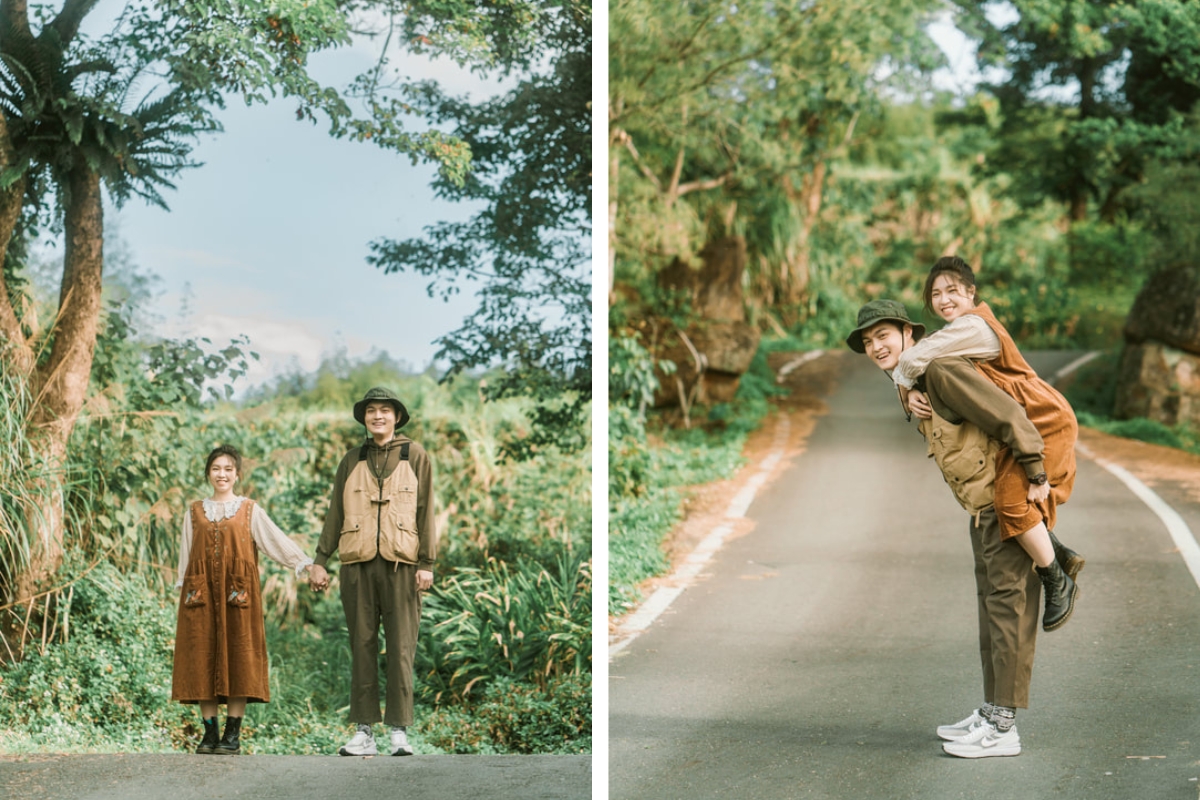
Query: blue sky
point(269, 237)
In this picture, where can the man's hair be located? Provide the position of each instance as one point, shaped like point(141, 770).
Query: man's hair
point(952, 265)
point(224, 450)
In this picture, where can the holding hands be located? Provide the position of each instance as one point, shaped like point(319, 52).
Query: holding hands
point(318, 578)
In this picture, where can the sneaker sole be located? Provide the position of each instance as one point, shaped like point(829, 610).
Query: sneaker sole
point(1058, 623)
point(344, 752)
point(402, 752)
point(988, 753)
point(958, 737)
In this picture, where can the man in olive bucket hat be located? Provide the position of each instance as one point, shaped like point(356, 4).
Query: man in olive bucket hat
point(381, 522)
point(962, 413)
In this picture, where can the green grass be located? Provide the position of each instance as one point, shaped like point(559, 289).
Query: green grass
point(651, 474)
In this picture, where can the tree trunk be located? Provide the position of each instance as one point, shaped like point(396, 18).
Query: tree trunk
point(809, 197)
point(13, 348)
point(614, 172)
point(1087, 75)
point(62, 381)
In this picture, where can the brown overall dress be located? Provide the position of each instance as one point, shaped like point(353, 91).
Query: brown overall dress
point(1051, 414)
point(220, 639)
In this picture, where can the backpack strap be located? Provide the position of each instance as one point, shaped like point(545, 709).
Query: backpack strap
point(404, 451)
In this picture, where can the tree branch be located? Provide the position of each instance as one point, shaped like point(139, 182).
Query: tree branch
point(700, 186)
point(67, 23)
point(641, 165)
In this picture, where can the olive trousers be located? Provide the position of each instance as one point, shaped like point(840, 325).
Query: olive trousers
point(1009, 594)
point(372, 592)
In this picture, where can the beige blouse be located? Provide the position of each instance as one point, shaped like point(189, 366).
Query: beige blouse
point(968, 335)
point(267, 537)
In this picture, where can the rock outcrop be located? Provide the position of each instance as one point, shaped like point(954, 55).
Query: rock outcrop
point(716, 347)
point(1159, 376)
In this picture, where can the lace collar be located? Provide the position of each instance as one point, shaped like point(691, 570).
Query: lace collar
point(215, 511)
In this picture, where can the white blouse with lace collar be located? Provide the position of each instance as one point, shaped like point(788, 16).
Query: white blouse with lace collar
point(217, 510)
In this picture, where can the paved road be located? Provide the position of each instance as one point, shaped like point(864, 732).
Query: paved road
point(190, 777)
point(821, 650)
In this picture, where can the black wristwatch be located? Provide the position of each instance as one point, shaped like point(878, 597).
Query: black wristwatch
point(1039, 480)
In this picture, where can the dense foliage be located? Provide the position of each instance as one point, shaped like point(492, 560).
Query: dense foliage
point(511, 606)
point(816, 137)
point(527, 251)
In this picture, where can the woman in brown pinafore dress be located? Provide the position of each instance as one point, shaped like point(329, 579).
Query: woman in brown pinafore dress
point(220, 638)
point(1026, 504)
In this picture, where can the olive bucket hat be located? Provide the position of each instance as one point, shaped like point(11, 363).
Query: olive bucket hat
point(878, 311)
point(378, 394)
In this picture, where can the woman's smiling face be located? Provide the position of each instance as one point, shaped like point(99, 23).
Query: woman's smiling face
point(222, 474)
point(950, 298)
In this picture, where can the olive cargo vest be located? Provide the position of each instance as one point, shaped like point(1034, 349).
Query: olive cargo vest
point(967, 458)
point(380, 520)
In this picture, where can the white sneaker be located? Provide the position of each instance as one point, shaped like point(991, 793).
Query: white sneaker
point(986, 741)
point(363, 743)
point(955, 732)
point(400, 745)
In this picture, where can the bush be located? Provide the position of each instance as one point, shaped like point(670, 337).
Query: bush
point(514, 717)
point(648, 476)
point(519, 621)
point(109, 689)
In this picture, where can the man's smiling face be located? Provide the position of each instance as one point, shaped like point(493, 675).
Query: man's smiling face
point(380, 419)
point(885, 341)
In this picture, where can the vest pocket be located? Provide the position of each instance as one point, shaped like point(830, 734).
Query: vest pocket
point(403, 544)
point(355, 544)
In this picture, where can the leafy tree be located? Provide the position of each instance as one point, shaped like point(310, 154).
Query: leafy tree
point(527, 251)
point(121, 111)
point(1091, 93)
point(725, 119)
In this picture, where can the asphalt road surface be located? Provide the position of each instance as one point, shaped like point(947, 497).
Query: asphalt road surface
point(191, 777)
point(819, 652)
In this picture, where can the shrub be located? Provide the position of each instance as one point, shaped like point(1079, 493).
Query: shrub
point(521, 621)
point(110, 687)
point(514, 717)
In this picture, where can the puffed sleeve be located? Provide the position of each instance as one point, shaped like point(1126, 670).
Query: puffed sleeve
point(185, 547)
point(272, 541)
point(968, 336)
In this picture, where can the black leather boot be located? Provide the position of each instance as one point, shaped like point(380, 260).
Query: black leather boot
point(231, 740)
point(1070, 561)
point(1060, 593)
point(208, 744)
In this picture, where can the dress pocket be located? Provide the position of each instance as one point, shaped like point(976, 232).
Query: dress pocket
point(238, 593)
point(195, 591)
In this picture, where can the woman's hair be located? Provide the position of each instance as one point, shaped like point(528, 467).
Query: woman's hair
point(952, 265)
point(224, 450)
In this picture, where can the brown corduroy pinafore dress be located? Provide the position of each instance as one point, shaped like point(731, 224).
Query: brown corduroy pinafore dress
point(220, 639)
point(1054, 419)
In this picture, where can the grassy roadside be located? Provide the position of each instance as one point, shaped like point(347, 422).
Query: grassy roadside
point(653, 466)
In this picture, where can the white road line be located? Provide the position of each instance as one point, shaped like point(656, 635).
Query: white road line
point(1074, 365)
point(686, 573)
point(796, 363)
point(1181, 534)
